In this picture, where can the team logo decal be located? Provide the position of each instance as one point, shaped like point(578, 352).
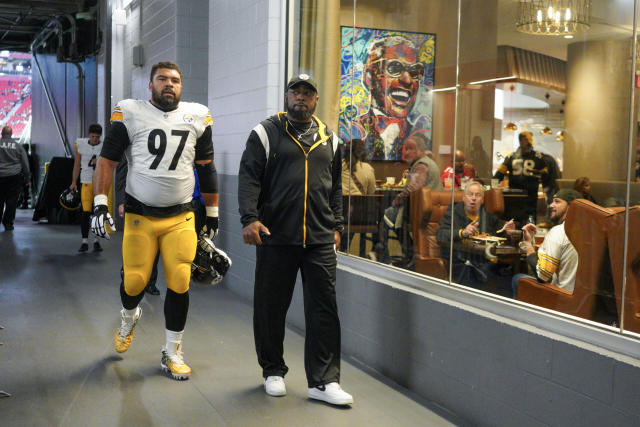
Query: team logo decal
point(304, 76)
point(188, 118)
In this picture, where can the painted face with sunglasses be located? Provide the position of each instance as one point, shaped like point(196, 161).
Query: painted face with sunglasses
point(394, 79)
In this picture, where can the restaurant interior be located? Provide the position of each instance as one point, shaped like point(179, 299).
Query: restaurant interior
point(471, 77)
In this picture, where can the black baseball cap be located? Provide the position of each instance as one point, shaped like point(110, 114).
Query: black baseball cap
point(568, 195)
point(302, 78)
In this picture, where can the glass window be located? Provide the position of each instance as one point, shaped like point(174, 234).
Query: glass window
point(523, 116)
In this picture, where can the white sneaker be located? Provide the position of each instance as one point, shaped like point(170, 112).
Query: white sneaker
point(274, 386)
point(331, 393)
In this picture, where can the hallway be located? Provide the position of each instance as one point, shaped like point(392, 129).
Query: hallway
point(60, 310)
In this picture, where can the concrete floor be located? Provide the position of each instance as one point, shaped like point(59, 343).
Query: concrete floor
point(60, 310)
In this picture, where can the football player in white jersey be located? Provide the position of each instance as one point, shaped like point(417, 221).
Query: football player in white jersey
point(84, 164)
point(163, 139)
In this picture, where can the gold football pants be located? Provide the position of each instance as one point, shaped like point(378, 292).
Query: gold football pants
point(176, 239)
point(86, 195)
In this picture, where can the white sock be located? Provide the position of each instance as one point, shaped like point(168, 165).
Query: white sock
point(85, 241)
point(173, 340)
point(130, 313)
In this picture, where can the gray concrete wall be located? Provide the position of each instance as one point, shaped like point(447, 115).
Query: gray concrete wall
point(167, 30)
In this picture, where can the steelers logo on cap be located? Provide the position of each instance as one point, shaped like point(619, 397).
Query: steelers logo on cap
point(304, 76)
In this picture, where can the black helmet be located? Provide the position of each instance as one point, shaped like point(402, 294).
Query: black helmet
point(70, 199)
point(210, 264)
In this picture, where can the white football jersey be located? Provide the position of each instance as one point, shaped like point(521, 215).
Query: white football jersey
point(162, 151)
point(88, 158)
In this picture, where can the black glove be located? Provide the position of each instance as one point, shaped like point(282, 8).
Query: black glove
point(101, 217)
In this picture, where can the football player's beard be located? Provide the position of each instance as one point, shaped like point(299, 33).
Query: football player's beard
point(300, 115)
point(166, 103)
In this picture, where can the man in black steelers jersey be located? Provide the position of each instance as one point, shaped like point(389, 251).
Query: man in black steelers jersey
point(525, 168)
point(163, 140)
point(290, 199)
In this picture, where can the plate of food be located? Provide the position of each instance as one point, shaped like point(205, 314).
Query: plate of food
point(487, 238)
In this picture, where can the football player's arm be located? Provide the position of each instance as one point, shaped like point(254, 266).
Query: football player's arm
point(252, 167)
point(502, 169)
point(208, 179)
point(76, 169)
point(112, 149)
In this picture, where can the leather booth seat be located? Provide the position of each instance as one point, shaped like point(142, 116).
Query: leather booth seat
point(586, 226)
point(427, 209)
point(615, 239)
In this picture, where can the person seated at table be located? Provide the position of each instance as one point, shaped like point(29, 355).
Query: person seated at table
point(470, 218)
point(358, 177)
point(556, 261)
point(525, 168)
point(422, 172)
point(583, 186)
point(463, 172)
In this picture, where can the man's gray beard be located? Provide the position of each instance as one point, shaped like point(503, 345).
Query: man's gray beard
point(300, 115)
point(165, 104)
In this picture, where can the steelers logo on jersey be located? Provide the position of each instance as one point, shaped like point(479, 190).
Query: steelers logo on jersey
point(188, 118)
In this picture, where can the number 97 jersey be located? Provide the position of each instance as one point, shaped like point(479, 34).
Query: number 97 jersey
point(163, 146)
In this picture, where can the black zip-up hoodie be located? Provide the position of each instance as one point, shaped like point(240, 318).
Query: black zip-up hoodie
point(293, 190)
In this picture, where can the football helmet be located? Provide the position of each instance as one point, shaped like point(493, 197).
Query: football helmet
point(70, 199)
point(210, 264)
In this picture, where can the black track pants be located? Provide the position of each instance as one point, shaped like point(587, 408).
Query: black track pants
point(276, 271)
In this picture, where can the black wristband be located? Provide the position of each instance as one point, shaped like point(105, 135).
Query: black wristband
point(100, 209)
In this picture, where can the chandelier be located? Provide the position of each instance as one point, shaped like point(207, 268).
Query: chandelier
point(553, 17)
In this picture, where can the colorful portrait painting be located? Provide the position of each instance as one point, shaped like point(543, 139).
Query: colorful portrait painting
point(386, 79)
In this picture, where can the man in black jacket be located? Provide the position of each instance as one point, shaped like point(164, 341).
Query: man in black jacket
point(470, 217)
point(290, 199)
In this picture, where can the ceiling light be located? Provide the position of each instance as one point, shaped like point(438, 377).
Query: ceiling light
point(444, 89)
point(553, 17)
point(497, 79)
point(546, 131)
point(560, 135)
point(511, 126)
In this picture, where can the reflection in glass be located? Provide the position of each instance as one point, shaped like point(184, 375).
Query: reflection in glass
point(396, 73)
